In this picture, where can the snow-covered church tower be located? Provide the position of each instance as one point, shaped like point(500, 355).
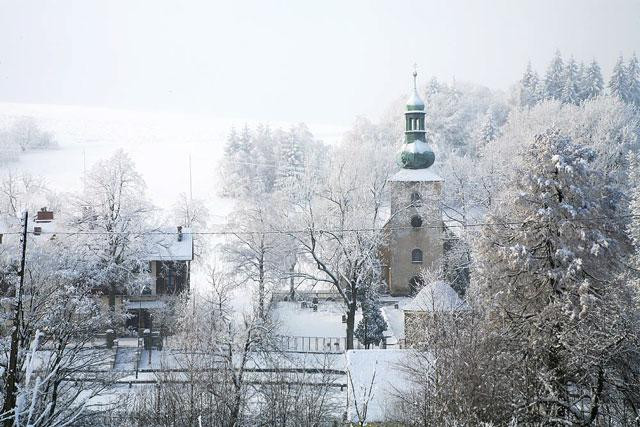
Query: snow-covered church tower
point(415, 228)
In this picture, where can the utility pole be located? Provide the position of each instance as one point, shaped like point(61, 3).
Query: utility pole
point(10, 390)
point(190, 183)
point(189, 213)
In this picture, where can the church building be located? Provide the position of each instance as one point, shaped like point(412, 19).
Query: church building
point(415, 227)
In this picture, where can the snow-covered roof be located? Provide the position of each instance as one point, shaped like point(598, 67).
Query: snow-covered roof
point(395, 322)
point(415, 101)
point(416, 146)
point(436, 296)
point(424, 175)
point(165, 246)
point(377, 393)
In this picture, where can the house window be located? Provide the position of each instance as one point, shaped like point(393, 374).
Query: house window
point(416, 221)
point(416, 256)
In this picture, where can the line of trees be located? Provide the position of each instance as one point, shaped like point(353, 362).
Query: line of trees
point(573, 83)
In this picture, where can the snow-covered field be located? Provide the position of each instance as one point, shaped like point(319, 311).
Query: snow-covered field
point(159, 143)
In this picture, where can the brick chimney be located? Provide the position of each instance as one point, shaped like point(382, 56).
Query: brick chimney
point(44, 215)
point(179, 233)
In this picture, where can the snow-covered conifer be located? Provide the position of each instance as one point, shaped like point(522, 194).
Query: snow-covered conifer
point(571, 89)
point(529, 87)
point(619, 84)
point(633, 80)
point(554, 79)
point(592, 84)
point(370, 330)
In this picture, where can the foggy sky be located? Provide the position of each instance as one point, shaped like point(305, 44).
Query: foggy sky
point(315, 61)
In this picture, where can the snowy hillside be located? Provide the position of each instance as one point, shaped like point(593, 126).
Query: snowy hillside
point(159, 143)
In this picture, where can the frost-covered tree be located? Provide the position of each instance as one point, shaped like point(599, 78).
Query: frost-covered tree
point(550, 284)
point(23, 135)
point(370, 330)
point(21, 192)
point(452, 114)
point(571, 88)
point(529, 90)
point(111, 217)
point(605, 124)
point(192, 213)
point(261, 161)
point(555, 78)
point(619, 84)
point(337, 224)
point(633, 80)
point(238, 171)
point(254, 249)
point(291, 159)
point(592, 83)
point(634, 205)
point(59, 319)
point(487, 130)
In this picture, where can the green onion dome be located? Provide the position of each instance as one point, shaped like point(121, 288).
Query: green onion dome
point(416, 155)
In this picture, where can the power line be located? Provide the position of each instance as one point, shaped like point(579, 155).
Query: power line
point(318, 231)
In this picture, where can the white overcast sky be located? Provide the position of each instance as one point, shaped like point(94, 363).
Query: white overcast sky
point(315, 61)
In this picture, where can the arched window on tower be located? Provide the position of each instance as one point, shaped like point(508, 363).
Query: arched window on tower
point(416, 256)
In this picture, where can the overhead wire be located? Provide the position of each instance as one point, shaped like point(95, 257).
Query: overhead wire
point(316, 230)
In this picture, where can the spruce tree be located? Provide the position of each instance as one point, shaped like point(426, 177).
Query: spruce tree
point(618, 84)
point(571, 88)
point(371, 328)
point(593, 83)
point(633, 80)
point(554, 78)
point(232, 146)
point(488, 130)
point(582, 76)
point(291, 156)
point(529, 87)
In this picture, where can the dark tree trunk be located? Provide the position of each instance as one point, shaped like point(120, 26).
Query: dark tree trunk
point(261, 286)
point(351, 320)
point(292, 283)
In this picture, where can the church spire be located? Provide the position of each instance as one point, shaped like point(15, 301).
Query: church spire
point(415, 154)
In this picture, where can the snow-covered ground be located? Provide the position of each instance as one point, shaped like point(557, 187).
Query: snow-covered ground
point(375, 379)
point(294, 320)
